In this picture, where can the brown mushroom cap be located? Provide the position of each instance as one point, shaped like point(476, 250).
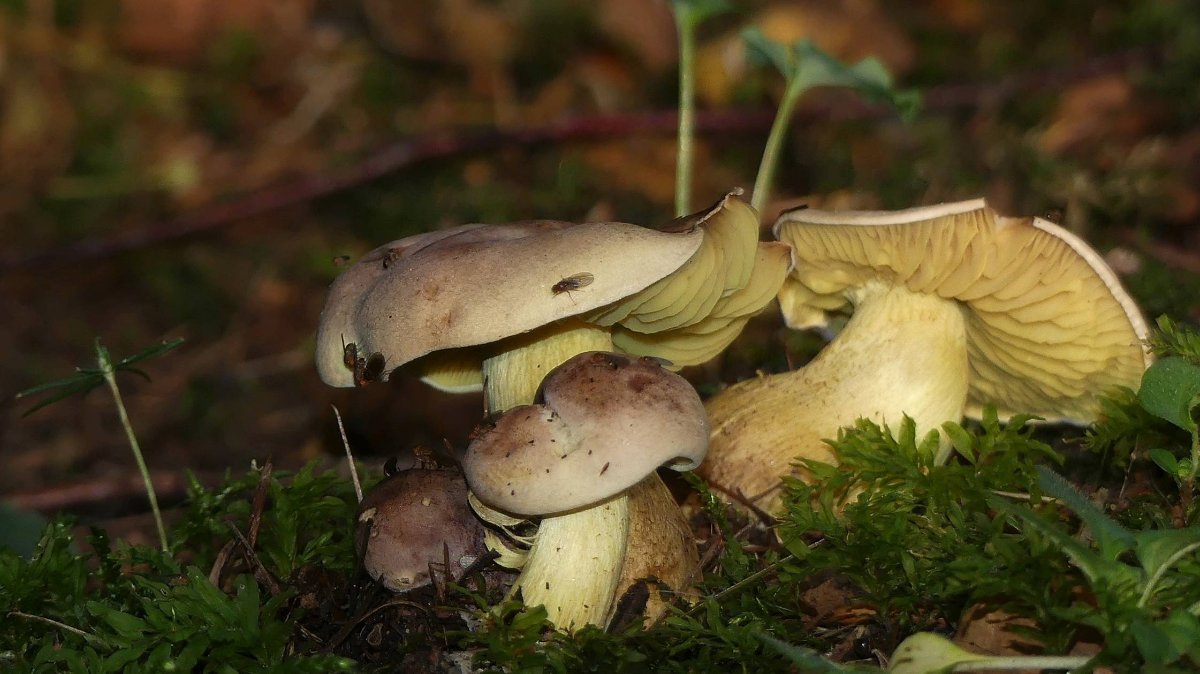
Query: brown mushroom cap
point(605, 422)
point(682, 294)
point(414, 519)
point(478, 284)
point(1048, 326)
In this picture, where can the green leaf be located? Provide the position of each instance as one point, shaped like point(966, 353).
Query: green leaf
point(149, 352)
point(1111, 538)
point(962, 441)
point(1165, 460)
point(1166, 641)
point(806, 66)
point(1094, 566)
point(1173, 339)
point(86, 379)
point(1158, 547)
point(127, 626)
point(1170, 389)
point(77, 385)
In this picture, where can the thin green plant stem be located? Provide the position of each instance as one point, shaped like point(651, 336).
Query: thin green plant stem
point(770, 157)
point(106, 369)
point(686, 24)
point(1152, 583)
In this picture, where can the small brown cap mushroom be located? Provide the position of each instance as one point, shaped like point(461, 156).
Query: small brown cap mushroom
point(415, 519)
point(604, 422)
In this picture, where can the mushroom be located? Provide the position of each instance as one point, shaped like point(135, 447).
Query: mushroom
point(413, 520)
point(954, 308)
point(497, 307)
point(602, 424)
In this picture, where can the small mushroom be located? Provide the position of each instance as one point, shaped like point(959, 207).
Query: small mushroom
point(414, 520)
point(602, 425)
point(954, 308)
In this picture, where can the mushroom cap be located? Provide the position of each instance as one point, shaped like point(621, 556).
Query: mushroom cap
point(1049, 327)
point(602, 423)
point(477, 284)
point(413, 519)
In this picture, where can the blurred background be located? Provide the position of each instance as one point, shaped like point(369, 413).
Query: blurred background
point(194, 168)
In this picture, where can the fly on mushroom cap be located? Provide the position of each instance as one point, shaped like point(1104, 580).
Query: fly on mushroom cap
point(955, 308)
point(604, 423)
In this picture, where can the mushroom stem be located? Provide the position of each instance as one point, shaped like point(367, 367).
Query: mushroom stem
point(512, 377)
point(575, 561)
point(661, 547)
point(901, 353)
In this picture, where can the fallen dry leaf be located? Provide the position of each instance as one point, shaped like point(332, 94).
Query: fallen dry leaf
point(996, 632)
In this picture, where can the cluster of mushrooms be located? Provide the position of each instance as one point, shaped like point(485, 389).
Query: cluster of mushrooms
point(574, 331)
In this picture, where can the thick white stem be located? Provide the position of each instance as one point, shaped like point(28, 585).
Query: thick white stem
point(901, 353)
point(575, 563)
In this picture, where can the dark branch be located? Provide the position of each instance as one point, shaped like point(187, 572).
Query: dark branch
point(406, 154)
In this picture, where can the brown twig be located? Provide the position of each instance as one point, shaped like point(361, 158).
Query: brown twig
point(261, 573)
point(259, 502)
point(349, 627)
point(407, 154)
point(87, 494)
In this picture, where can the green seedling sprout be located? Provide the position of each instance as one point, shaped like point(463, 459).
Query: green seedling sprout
point(805, 67)
point(688, 15)
point(86, 379)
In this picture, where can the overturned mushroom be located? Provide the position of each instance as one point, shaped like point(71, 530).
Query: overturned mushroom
point(955, 308)
point(487, 307)
point(415, 520)
point(601, 425)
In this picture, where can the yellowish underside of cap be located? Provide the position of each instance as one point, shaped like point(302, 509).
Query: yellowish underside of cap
point(1049, 329)
point(902, 354)
point(692, 315)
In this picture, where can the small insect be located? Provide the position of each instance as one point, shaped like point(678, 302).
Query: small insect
point(369, 369)
point(572, 282)
point(391, 255)
point(366, 370)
